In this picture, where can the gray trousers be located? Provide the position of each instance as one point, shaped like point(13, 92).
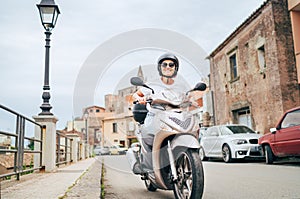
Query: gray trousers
point(150, 128)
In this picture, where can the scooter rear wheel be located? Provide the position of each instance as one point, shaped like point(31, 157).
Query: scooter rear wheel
point(190, 181)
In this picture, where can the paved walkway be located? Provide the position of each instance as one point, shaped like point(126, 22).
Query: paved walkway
point(78, 180)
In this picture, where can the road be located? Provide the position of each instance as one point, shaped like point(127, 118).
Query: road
point(247, 179)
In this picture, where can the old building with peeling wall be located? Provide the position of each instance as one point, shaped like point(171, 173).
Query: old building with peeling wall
point(253, 73)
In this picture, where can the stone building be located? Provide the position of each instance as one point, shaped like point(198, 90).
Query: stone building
point(121, 103)
point(90, 124)
point(119, 128)
point(253, 73)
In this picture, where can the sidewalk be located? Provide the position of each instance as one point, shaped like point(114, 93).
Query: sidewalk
point(73, 181)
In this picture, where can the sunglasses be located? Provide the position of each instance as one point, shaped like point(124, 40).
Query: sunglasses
point(171, 65)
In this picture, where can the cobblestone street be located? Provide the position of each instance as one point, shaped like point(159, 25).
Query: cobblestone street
point(88, 185)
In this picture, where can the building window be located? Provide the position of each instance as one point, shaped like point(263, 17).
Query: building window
point(233, 66)
point(112, 108)
point(115, 127)
point(97, 110)
point(122, 143)
point(261, 59)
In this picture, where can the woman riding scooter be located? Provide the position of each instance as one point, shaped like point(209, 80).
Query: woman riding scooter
point(168, 156)
point(167, 66)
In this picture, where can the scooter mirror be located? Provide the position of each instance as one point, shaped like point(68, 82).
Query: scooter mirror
point(136, 81)
point(200, 87)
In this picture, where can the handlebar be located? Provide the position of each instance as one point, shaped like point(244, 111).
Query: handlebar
point(149, 101)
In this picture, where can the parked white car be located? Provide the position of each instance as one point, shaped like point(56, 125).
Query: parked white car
point(230, 142)
point(117, 150)
point(101, 150)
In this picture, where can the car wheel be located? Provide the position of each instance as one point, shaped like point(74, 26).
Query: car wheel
point(226, 153)
point(202, 154)
point(269, 155)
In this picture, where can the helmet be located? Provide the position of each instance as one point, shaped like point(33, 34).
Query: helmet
point(168, 56)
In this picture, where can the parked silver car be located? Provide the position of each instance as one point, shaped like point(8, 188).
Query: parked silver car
point(101, 150)
point(230, 142)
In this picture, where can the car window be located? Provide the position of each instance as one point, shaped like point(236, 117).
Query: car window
point(291, 119)
point(212, 131)
point(226, 131)
point(238, 129)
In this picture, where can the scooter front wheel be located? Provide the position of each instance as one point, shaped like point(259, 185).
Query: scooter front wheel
point(190, 176)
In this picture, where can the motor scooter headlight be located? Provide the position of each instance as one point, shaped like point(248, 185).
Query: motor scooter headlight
point(240, 141)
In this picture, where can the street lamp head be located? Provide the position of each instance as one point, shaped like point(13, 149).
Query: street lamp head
point(86, 114)
point(49, 12)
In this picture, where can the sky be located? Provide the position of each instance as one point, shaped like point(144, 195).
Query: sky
point(104, 31)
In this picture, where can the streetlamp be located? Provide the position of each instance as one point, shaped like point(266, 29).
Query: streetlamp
point(49, 12)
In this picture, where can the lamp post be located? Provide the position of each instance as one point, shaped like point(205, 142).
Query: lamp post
point(49, 12)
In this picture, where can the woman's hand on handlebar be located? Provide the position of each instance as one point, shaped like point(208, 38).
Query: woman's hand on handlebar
point(142, 100)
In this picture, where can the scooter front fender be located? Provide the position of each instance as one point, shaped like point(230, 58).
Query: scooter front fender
point(186, 141)
point(180, 140)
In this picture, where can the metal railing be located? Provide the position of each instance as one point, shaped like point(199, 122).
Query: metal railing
point(63, 149)
point(15, 147)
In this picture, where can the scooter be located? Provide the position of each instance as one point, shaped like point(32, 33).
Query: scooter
point(176, 162)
